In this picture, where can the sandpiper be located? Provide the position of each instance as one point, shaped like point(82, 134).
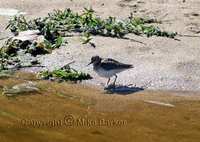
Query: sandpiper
point(107, 67)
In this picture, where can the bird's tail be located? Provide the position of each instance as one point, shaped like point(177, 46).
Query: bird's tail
point(129, 66)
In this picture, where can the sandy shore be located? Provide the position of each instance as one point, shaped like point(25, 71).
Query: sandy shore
point(142, 112)
point(160, 63)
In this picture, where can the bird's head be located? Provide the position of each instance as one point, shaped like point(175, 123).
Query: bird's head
point(95, 60)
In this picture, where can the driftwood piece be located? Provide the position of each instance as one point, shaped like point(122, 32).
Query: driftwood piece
point(28, 87)
point(29, 35)
point(159, 103)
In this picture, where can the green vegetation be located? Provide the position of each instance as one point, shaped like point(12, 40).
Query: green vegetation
point(56, 24)
point(64, 75)
point(59, 21)
point(140, 26)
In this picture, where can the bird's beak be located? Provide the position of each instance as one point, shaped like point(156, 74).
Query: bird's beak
point(89, 63)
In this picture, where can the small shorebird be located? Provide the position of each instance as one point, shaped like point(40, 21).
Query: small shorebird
point(107, 67)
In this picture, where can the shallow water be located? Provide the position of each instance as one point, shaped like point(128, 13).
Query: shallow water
point(74, 112)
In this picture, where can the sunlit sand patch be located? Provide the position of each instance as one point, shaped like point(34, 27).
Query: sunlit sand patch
point(10, 12)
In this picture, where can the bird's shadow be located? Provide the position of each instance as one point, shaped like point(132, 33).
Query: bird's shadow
point(123, 90)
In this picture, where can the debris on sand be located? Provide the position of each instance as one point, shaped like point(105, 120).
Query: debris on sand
point(30, 35)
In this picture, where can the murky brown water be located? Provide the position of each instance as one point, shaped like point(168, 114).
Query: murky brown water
point(74, 112)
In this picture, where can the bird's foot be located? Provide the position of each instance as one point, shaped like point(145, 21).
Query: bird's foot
point(111, 86)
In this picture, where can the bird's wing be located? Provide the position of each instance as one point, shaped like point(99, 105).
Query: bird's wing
point(110, 60)
point(110, 64)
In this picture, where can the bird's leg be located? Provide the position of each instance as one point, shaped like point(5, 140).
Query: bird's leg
point(106, 87)
point(108, 81)
point(115, 79)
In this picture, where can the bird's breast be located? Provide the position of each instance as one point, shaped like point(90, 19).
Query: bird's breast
point(105, 73)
